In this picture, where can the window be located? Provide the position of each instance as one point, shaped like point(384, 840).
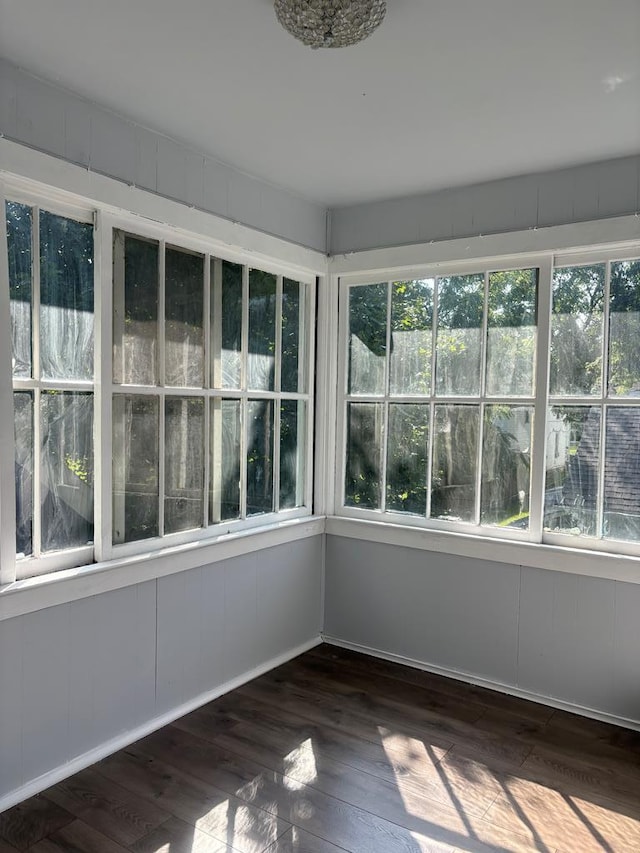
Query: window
point(466, 408)
point(210, 398)
point(51, 282)
point(593, 474)
point(161, 396)
point(440, 393)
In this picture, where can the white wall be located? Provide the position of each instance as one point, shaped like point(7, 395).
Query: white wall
point(81, 679)
point(569, 639)
point(44, 116)
point(580, 194)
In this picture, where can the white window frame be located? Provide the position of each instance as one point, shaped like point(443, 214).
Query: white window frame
point(458, 537)
point(283, 260)
point(132, 226)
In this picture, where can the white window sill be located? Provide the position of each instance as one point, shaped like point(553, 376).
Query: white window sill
point(36, 593)
point(558, 558)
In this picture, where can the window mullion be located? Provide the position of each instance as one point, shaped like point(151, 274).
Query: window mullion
point(103, 405)
point(484, 346)
point(538, 448)
point(244, 425)
point(340, 460)
point(432, 405)
point(308, 335)
point(277, 385)
point(605, 394)
point(384, 438)
point(206, 401)
point(162, 359)
point(7, 426)
point(36, 373)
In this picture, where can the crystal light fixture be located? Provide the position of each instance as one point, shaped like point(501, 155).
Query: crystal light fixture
point(330, 23)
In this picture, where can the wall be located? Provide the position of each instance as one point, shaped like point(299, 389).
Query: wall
point(81, 679)
point(580, 194)
point(56, 121)
point(570, 639)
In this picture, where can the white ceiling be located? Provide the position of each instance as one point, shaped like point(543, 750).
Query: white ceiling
point(445, 93)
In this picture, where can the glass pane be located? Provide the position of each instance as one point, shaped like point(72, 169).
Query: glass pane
point(183, 463)
point(411, 337)
point(506, 463)
point(66, 298)
point(135, 467)
point(262, 330)
point(226, 324)
point(511, 332)
point(19, 222)
point(292, 453)
point(407, 458)
point(67, 469)
point(135, 310)
point(364, 440)
point(226, 435)
point(184, 310)
point(459, 341)
point(259, 456)
point(624, 329)
point(453, 470)
point(576, 331)
point(23, 414)
point(293, 374)
point(572, 464)
point(622, 474)
point(367, 338)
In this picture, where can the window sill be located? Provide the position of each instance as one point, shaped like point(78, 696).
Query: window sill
point(61, 587)
point(558, 558)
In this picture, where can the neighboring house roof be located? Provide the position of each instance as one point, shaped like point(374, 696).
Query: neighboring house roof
point(622, 463)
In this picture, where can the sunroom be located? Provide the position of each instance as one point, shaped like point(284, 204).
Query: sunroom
point(335, 346)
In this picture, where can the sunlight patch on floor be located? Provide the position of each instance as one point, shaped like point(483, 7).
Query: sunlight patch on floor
point(299, 766)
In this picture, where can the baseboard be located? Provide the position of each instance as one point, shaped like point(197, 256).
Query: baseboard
point(470, 678)
point(81, 762)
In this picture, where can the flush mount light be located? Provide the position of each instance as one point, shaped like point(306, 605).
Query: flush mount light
point(330, 23)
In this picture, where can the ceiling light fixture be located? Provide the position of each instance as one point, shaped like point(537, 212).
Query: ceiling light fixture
point(330, 23)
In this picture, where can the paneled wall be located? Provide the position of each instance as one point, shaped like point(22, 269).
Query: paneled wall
point(82, 677)
point(579, 194)
point(44, 116)
point(564, 637)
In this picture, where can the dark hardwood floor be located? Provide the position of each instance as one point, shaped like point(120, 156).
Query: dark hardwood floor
point(337, 751)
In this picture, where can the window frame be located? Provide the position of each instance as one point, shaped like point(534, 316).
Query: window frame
point(417, 527)
point(103, 552)
point(133, 226)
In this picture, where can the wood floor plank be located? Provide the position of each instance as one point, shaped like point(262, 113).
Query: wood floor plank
point(460, 691)
point(582, 777)
point(390, 757)
point(24, 825)
point(358, 713)
point(571, 742)
point(390, 692)
point(357, 828)
point(307, 763)
point(298, 841)
point(341, 715)
point(106, 806)
point(177, 836)
point(225, 817)
point(77, 837)
point(615, 736)
point(553, 819)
